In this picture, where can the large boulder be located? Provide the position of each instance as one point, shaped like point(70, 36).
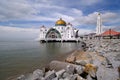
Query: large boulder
point(58, 65)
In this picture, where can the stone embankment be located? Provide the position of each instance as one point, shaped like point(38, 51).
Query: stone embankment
point(99, 60)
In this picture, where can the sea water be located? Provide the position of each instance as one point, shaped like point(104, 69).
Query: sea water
point(21, 57)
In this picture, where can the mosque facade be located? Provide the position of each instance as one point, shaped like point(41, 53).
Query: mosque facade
point(61, 32)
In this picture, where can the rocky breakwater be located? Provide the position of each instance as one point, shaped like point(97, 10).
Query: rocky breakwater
point(106, 56)
point(100, 60)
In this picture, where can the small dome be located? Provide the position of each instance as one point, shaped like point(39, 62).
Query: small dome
point(60, 23)
point(42, 26)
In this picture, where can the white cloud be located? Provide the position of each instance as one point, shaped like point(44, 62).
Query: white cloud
point(84, 31)
point(17, 29)
point(18, 34)
point(116, 28)
point(51, 10)
point(91, 19)
point(14, 10)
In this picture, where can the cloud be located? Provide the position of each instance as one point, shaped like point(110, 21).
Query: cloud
point(42, 10)
point(51, 10)
point(116, 28)
point(14, 10)
point(18, 34)
point(89, 2)
point(91, 19)
point(17, 29)
point(84, 31)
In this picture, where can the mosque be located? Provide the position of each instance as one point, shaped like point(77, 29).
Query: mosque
point(61, 32)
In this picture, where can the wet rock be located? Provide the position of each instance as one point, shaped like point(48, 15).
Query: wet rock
point(37, 74)
point(50, 75)
point(22, 77)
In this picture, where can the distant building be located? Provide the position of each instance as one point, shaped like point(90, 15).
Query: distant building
point(60, 32)
point(110, 34)
point(88, 36)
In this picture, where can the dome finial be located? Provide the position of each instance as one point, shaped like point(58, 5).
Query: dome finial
point(60, 18)
point(98, 13)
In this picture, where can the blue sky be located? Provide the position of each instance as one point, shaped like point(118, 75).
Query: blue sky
point(22, 14)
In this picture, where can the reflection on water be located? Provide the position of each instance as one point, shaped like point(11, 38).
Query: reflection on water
point(23, 57)
point(59, 47)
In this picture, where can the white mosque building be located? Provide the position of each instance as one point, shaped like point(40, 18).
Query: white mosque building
point(61, 32)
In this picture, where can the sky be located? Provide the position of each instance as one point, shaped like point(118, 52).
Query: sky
point(21, 19)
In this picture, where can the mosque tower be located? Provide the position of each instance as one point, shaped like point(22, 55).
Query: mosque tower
point(99, 24)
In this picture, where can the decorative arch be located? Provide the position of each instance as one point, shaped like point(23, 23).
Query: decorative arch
point(53, 33)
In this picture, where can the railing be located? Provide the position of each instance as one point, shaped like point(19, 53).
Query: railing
point(60, 39)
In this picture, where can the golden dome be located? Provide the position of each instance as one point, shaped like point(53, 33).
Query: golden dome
point(60, 22)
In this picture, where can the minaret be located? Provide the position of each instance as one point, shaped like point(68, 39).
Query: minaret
point(99, 24)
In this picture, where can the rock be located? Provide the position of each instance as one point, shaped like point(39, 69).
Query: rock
point(90, 69)
point(58, 65)
point(89, 77)
point(70, 69)
point(101, 53)
point(22, 77)
point(71, 77)
point(37, 74)
point(65, 75)
point(104, 73)
point(60, 73)
point(81, 62)
point(109, 64)
point(88, 56)
point(79, 77)
point(79, 69)
point(71, 59)
point(50, 75)
point(55, 78)
point(61, 79)
point(119, 71)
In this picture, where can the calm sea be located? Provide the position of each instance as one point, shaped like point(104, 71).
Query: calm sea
point(21, 57)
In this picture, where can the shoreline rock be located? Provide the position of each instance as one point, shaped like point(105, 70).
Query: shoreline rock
point(99, 60)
